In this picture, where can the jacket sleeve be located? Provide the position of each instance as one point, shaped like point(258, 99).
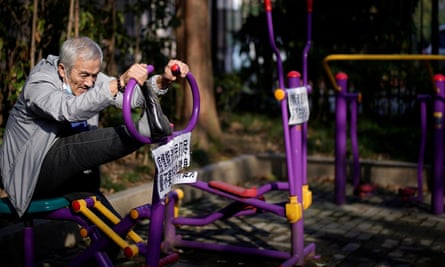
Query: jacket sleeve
point(137, 99)
point(45, 96)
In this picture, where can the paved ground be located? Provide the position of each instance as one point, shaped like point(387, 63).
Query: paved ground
point(381, 230)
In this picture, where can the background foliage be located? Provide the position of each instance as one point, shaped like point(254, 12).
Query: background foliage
point(347, 26)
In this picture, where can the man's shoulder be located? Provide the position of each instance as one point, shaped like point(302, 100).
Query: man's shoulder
point(53, 60)
point(46, 67)
point(49, 62)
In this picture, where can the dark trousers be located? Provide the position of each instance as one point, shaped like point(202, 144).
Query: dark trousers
point(72, 163)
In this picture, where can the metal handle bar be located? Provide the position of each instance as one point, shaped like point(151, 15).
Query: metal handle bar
point(126, 107)
point(268, 9)
point(308, 42)
point(375, 57)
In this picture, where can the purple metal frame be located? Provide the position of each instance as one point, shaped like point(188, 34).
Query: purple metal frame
point(99, 241)
point(126, 109)
point(342, 99)
point(156, 210)
point(296, 165)
point(163, 222)
point(423, 99)
point(294, 136)
point(438, 145)
point(438, 109)
point(162, 227)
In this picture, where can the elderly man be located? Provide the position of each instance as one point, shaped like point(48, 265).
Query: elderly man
point(52, 144)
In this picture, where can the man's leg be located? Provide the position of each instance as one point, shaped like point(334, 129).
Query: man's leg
point(71, 163)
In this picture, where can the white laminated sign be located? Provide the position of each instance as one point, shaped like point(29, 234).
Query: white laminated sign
point(170, 159)
point(298, 104)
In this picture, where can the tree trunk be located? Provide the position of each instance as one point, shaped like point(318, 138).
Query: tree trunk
point(73, 19)
point(194, 43)
point(32, 51)
point(70, 20)
point(110, 47)
point(76, 17)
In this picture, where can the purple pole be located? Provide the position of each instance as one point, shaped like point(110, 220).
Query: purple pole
point(305, 82)
point(268, 8)
point(423, 135)
point(28, 237)
point(283, 104)
point(295, 144)
point(309, 40)
point(304, 153)
point(155, 228)
point(170, 226)
point(296, 181)
point(284, 108)
point(438, 146)
point(340, 138)
point(354, 141)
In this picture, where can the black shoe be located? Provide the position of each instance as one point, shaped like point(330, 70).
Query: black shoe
point(157, 121)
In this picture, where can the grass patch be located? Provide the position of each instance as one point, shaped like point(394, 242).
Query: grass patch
point(110, 185)
point(377, 139)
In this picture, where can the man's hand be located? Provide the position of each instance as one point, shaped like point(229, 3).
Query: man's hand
point(136, 71)
point(168, 77)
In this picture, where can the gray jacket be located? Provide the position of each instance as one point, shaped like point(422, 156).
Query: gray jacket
point(34, 123)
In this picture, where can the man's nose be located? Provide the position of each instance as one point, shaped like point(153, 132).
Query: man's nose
point(89, 81)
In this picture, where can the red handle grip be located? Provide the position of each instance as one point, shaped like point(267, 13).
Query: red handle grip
point(268, 5)
point(175, 70)
point(309, 6)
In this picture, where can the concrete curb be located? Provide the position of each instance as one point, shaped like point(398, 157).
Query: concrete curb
point(124, 201)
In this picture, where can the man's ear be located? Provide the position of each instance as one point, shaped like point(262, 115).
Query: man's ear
point(61, 69)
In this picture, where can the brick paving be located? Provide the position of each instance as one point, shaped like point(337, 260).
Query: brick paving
point(379, 230)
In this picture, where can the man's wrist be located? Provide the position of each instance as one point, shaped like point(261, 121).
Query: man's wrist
point(120, 87)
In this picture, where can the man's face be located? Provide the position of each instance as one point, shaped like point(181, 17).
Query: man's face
point(83, 75)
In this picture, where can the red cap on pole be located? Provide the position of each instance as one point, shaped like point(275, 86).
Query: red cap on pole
point(439, 78)
point(341, 76)
point(309, 6)
point(268, 5)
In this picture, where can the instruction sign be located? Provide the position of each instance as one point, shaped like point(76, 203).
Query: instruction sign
point(298, 104)
point(170, 159)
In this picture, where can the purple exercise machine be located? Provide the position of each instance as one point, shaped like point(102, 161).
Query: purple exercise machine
point(109, 229)
point(438, 109)
point(343, 98)
point(163, 210)
point(249, 201)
